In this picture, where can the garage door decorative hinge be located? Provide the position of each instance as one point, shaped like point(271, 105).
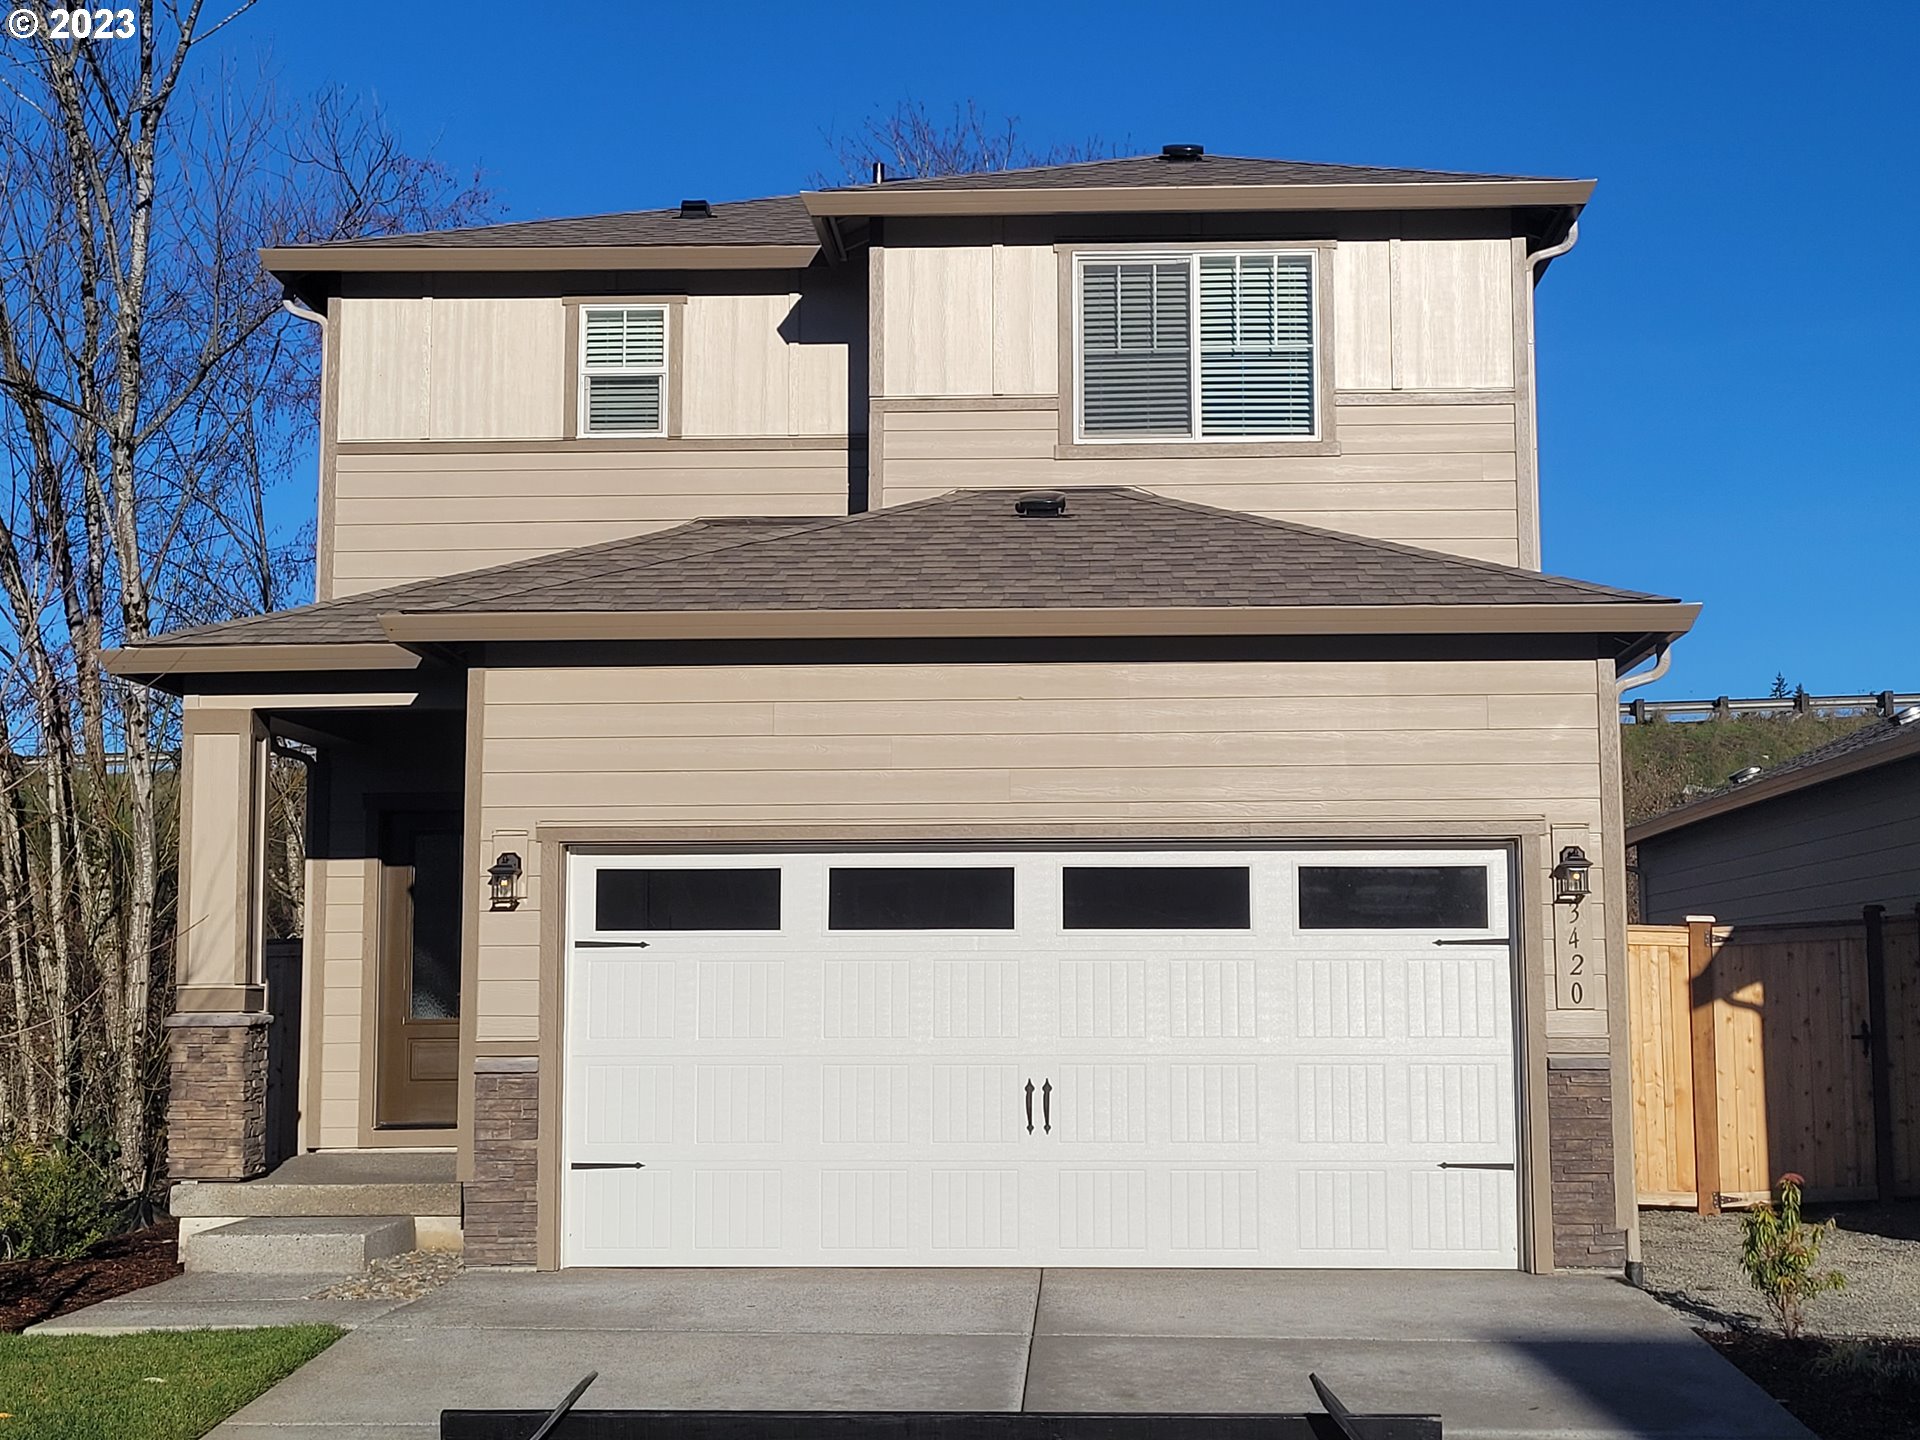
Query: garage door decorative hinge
point(608, 1165)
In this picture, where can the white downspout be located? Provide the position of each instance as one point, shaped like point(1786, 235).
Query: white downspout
point(1534, 262)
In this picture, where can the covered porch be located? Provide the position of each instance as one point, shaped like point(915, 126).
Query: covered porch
point(317, 1076)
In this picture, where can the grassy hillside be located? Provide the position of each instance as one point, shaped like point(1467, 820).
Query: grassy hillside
point(1664, 758)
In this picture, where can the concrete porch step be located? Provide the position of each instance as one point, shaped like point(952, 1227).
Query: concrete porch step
point(330, 1183)
point(297, 1244)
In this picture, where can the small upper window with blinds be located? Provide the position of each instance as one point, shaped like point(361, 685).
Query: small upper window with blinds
point(1213, 345)
point(623, 370)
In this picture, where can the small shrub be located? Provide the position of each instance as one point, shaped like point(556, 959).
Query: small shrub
point(1780, 1255)
point(55, 1203)
point(1885, 1366)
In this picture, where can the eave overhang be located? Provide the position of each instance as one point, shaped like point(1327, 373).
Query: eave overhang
point(157, 662)
point(285, 262)
point(1656, 623)
point(907, 199)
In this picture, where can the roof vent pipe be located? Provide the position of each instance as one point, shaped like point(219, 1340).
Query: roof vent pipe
point(1182, 153)
point(1741, 777)
point(879, 172)
point(696, 209)
point(1040, 502)
point(1908, 715)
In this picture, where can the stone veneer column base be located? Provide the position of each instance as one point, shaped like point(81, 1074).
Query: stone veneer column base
point(500, 1203)
point(217, 1096)
point(1586, 1230)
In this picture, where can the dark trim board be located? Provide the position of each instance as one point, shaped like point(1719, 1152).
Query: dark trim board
point(926, 1425)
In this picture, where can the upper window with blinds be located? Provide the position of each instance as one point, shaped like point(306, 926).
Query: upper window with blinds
point(1209, 346)
point(623, 370)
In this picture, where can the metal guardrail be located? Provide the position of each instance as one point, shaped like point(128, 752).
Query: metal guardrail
point(1885, 703)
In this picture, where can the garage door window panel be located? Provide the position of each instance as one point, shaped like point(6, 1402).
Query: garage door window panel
point(1171, 897)
point(1393, 897)
point(687, 899)
point(920, 898)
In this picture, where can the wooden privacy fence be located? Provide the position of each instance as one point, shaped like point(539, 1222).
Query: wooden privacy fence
point(1764, 1049)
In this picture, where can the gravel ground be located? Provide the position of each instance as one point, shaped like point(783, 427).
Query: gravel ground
point(1693, 1264)
point(398, 1277)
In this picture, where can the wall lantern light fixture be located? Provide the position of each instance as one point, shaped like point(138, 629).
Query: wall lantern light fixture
point(1572, 876)
point(503, 882)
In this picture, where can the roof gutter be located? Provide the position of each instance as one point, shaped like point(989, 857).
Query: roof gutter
point(155, 663)
point(908, 199)
point(286, 260)
point(1658, 621)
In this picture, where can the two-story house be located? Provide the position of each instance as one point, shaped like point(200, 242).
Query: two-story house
point(998, 720)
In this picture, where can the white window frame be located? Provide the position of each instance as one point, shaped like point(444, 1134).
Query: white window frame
point(1192, 259)
point(581, 425)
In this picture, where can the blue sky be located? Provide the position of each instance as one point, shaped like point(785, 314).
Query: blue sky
point(1725, 360)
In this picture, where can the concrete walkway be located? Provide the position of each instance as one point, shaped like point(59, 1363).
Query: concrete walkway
point(1495, 1354)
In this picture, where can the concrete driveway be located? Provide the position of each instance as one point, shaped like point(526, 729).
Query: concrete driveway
point(1496, 1355)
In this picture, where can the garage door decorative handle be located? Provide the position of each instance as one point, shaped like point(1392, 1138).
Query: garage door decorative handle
point(1476, 1165)
point(608, 1165)
point(1046, 1105)
point(1029, 1106)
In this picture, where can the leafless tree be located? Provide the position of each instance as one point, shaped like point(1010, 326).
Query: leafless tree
point(151, 390)
point(911, 143)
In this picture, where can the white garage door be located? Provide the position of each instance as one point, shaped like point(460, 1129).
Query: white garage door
point(1110, 1057)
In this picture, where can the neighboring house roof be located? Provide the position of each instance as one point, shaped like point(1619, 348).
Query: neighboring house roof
point(1880, 742)
point(781, 231)
point(1119, 561)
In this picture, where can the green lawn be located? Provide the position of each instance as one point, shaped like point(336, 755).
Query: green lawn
point(161, 1385)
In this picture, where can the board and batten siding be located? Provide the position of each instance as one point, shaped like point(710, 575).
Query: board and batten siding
point(402, 515)
point(758, 365)
point(985, 319)
point(450, 426)
point(1432, 443)
point(1441, 476)
point(1389, 748)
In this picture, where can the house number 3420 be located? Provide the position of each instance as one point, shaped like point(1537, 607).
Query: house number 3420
point(1573, 972)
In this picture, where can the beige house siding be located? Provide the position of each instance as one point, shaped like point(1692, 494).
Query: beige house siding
point(1429, 443)
point(1440, 475)
point(336, 949)
point(1292, 749)
point(761, 364)
point(412, 514)
point(451, 446)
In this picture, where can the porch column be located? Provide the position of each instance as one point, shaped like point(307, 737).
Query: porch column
point(217, 1035)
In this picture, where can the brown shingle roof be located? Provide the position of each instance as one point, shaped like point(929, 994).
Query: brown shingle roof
point(1143, 170)
point(779, 220)
point(783, 219)
point(1114, 548)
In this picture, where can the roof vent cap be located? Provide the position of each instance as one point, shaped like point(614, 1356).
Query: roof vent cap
point(1182, 152)
point(696, 209)
point(1741, 777)
point(1908, 715)
point(1040, 502)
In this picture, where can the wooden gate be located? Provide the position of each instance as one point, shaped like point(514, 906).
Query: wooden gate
point(1757, 1051)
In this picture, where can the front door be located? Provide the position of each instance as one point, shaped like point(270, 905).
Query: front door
point(418, 1046)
